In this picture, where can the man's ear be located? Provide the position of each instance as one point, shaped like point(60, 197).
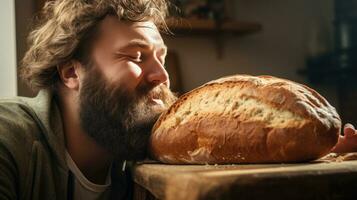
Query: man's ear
point(70, 74)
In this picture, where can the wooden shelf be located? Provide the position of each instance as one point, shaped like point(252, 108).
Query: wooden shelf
point(206, 26)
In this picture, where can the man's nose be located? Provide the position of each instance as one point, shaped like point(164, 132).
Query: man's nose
point(157, 74)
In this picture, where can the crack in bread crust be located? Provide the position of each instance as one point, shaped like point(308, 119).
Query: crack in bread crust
point(287, 116)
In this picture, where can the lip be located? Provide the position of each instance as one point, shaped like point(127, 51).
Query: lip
point(157, 102)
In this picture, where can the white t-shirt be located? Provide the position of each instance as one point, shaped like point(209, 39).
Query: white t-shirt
point(85, 189)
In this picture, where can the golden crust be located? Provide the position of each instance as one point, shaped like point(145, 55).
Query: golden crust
point(246, 119)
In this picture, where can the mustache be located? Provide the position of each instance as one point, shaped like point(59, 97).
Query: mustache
point(161, 92)
point(151, 91)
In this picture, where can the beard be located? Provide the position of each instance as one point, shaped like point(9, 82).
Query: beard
point(118, 120)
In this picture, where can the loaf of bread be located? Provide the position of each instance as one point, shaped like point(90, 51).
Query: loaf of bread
point(246, 119)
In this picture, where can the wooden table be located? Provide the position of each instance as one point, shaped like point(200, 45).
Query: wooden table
point(324, 179)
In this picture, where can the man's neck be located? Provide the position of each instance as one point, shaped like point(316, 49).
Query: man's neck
point(93, 160)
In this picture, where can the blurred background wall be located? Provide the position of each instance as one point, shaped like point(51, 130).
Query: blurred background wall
point(292, 32)
point(8, 78)
point(25, 11)
point(280, 49)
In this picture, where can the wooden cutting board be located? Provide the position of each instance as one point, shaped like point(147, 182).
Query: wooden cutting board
point(324, 179)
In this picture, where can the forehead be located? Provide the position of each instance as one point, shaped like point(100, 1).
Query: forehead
point(114, 34)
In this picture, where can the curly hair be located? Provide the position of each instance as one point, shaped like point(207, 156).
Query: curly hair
point(66, 28)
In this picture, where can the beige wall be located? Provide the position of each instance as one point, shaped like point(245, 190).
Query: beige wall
point(280, 49)
point(8, 82)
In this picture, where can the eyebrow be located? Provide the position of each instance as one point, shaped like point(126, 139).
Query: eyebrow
point(138, 43)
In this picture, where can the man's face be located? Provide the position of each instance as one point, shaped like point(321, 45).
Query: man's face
point(125, 88)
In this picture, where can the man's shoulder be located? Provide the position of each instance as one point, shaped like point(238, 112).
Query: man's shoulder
point(18, 125)
point(15, 111)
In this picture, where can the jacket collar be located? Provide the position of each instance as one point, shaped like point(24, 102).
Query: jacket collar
point(48, 116)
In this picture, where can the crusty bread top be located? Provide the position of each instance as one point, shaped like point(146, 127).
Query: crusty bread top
point(278, 102)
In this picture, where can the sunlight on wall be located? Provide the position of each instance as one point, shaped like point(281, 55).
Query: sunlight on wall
point(8, 80)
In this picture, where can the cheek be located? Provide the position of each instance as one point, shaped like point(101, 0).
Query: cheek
point(127, 75)
point(134, 70)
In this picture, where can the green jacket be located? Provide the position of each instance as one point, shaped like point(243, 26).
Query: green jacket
point(32, 152)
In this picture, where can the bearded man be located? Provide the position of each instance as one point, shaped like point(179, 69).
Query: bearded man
point(99, 66)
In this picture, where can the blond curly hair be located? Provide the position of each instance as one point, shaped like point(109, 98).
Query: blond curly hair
point(66, 28)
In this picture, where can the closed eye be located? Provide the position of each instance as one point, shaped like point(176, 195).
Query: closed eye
point(134, 57)
point(137, 57)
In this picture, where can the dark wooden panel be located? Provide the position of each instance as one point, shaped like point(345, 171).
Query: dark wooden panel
point(348, 103)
